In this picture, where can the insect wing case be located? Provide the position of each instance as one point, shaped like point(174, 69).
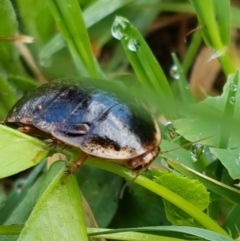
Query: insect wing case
point(91, 115)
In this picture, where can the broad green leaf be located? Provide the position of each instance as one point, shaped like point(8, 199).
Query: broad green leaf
point(230, 158)
point(19, 151)
point(58, 214)
point(191, 190)
point(208, 118)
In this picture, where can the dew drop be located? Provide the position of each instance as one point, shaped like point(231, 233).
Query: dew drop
point(121, 28)
point(170, 131)
point(196, 151)
point(232, 100)
point(46, 62)
point(133, 44)
point(174, 72)
point(233, 87)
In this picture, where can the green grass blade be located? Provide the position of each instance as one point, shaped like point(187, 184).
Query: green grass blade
point(183, 85)
point(206, 16)
point(206, 13)
point(197, 232)
point(146, 67)
point(192, 51)
point(69, 18)
point(223, 19)
point(172, 197)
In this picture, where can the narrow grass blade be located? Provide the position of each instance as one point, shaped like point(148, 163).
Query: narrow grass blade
point(141, 58)
point(69, 18)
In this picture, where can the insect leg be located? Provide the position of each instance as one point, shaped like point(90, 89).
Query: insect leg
point(76, 165)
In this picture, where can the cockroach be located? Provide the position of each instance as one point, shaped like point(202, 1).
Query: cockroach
point(85, 114)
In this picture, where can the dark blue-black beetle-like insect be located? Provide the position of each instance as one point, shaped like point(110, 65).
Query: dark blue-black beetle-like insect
point(87, 115)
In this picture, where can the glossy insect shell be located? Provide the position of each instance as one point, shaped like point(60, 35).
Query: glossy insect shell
point(101, 123)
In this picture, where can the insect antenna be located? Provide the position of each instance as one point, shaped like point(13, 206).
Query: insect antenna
point(185, 145)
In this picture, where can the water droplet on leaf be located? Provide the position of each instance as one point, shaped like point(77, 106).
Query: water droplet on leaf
point(233, 87)
point(170, 131)
point(133, 44)
point(121, 28)
point(174, 72)
point(232, 100)
point(196, 151)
